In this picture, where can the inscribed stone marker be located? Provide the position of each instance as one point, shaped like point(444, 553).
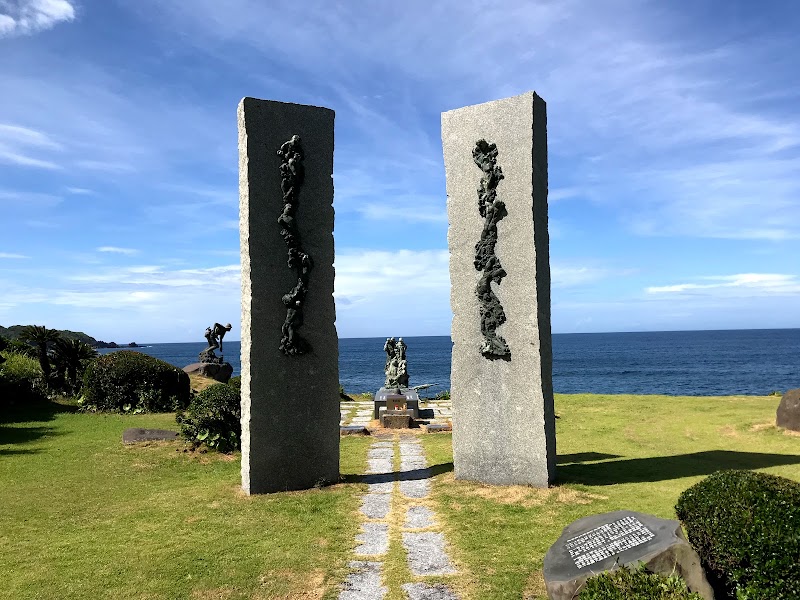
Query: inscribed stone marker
point(495, 158)
point(290, 352)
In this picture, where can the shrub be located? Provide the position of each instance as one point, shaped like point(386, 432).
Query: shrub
point(626, 584)
point(132, 381)
point(746, 528)
point(445, 395)
point(213, 418)
point(21, 378)
point(235, 382)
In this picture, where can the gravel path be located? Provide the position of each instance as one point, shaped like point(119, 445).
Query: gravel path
point(385, 504)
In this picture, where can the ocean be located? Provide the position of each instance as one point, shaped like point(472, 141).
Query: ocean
point(691, 363)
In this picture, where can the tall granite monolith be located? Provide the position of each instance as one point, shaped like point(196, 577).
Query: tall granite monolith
point(495, 158)
point(290, 352)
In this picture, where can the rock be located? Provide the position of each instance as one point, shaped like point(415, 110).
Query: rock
point(221, 373)
point(436, 427)
point(135, 434)
point(788, 414)
point(598, 543)
point(353, 430)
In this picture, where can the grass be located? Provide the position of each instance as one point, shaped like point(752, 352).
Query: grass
point(614, 452)
point(83, 516)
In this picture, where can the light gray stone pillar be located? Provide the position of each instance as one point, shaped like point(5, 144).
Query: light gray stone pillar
point(290, 403)
point(503, 415)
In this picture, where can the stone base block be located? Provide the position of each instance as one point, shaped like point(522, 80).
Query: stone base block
point(353, 430)
point(396, 421)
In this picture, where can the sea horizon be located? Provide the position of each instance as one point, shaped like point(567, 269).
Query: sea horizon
point(711, 362)
point(553, 333)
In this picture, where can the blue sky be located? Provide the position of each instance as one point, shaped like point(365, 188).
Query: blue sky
point(674, 139)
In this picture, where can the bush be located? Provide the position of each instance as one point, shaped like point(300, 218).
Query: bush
point(235, 382)
point(21, 378)
point(213, 418)
point(626, 584)
point(132, 381)
point(746, 528)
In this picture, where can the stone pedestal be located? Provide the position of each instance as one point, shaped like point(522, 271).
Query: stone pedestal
point(503, 415)
point(290, 403)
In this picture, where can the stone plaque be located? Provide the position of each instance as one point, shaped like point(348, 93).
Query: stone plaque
point(602, 542)
point(607, 540)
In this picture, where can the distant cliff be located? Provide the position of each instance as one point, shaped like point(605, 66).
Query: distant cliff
point(14, 331)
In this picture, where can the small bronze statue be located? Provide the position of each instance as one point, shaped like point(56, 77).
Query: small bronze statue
point(396, 368)
point(214, 336)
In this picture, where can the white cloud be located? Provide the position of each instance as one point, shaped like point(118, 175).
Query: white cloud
point(117, 250)
point(12, 255)
point(25, 17)
point(16, 144)
point(741, 285)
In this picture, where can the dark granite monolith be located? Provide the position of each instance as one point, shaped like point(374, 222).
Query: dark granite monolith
point(290, 400)
point(495, 158)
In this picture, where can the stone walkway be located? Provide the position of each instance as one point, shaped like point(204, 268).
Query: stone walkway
point(391, 494)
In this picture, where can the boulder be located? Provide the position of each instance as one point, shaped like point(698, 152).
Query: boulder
point(602, 542)
point(220, 372)
point(788, 414)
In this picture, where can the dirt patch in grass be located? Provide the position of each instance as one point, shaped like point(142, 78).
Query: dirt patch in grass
point(527, 496)
point(728, 431)
point(535, 587)
point(217, 594)
point(306, 586)
point(762, 426)
point(198, 382)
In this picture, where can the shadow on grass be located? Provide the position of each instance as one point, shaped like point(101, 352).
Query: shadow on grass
point(583, 457)
point(413, 474)
point(13, 418)
point(661, 468)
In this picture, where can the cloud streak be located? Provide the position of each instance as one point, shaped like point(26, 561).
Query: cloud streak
point(26, 17)
point(742, 285)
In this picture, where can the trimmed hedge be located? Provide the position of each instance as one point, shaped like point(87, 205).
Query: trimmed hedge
point(626, 584)
point(746, 528)
point(132, 381)
point(21, 379)
point(213, 418)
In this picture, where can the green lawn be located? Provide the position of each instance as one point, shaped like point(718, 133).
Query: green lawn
point(82, 516)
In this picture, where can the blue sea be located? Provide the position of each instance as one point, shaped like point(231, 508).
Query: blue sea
point(693, 363)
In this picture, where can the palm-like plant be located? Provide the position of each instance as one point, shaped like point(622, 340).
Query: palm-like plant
point(40, 336)
point(70, 356)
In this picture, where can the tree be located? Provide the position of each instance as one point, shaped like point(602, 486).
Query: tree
point(41, 336)
point(70, 357)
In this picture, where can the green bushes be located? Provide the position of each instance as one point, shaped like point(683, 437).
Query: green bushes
point(746, 528)
point(21, 379)
point(132, 381)
point(235, 382)
point(626, 584)
point(213, 418)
